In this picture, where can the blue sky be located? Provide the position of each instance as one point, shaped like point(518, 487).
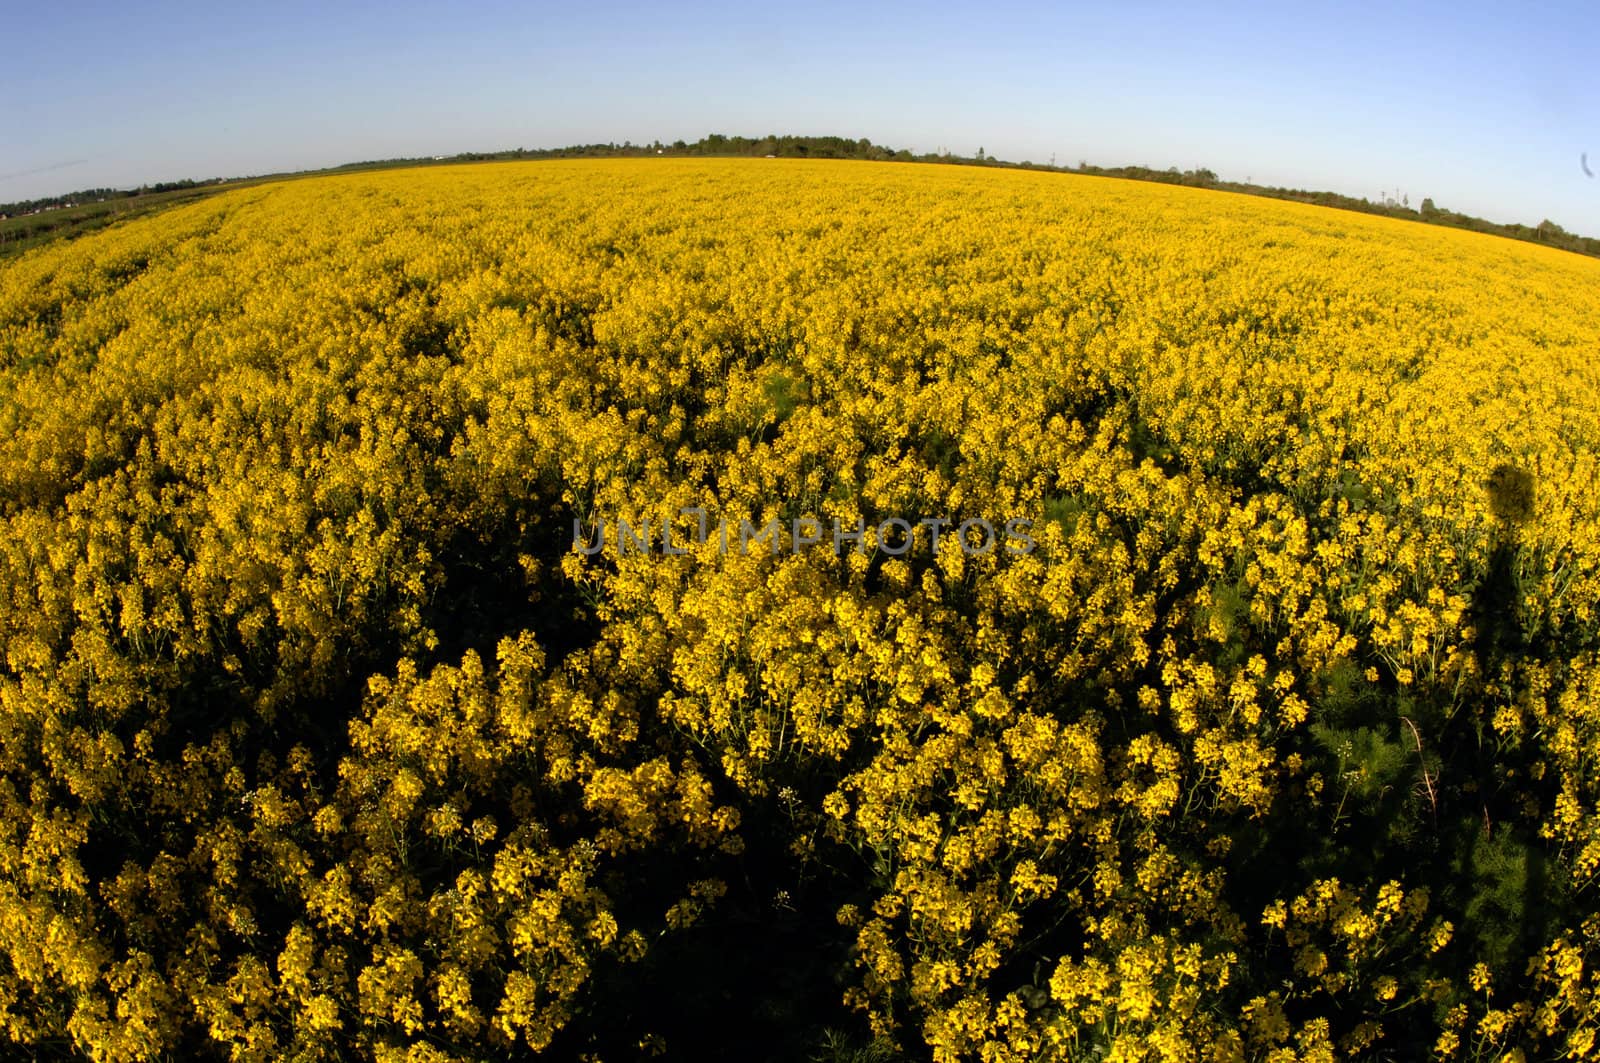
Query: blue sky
point(1486, 108)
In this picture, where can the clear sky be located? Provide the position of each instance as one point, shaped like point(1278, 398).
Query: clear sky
point(1487, 108)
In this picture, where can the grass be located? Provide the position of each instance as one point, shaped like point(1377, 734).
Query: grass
point(33, 230)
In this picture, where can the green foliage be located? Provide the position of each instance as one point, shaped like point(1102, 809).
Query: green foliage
point(784, 393)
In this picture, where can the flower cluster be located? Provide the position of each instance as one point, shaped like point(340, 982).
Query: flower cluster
point(319, 740)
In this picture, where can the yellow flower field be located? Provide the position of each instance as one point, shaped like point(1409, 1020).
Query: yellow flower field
point(321, 738)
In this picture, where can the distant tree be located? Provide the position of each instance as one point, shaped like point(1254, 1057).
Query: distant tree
point(1549, 232)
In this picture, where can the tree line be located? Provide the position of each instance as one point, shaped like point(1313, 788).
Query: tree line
point(835, 147)
point(101, 195)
